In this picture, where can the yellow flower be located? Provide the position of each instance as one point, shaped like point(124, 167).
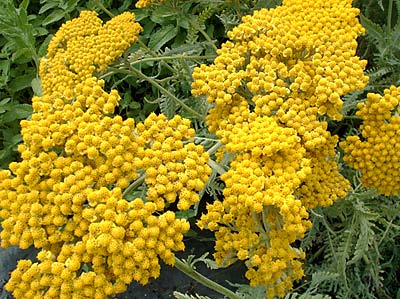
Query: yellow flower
point(280, 71)
point(377, 156)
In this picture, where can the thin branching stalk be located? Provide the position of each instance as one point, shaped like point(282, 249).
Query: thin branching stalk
point(389, 17)
point(165, 91)
point(206, 36)
point(214, 148)
point(103, 8)
point(174, 57)
point(214, 165)
point(134, 185)
point(154, 54)
point(189, 271)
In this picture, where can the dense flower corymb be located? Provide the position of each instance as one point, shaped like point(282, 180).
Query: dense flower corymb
point(273, 85)
point(67, 195)
point(376, 153)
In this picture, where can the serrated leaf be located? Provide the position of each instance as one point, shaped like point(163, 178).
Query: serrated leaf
point(162, 36)
point(321, 276)
point(245, 291)
point(179, 295)
point(374, 31)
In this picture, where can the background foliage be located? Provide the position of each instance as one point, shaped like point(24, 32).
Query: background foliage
point(353, 249)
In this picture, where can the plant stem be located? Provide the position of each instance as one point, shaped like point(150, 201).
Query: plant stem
point(152, 53)
point(214, 148)
point(134, 185)
point(189, 271)
point(165, 91)
point(103, 8)
point(158, 58)
point(208, 39)
point(389, 20)
point(214, 165)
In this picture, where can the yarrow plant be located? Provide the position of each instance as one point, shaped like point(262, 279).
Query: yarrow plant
point(101, 195)
point(282, 73)
point(67, 195)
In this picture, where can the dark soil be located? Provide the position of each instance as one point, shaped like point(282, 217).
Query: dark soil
point(170, 280)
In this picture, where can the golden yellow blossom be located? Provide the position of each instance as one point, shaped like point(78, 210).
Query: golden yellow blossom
point(376, 153)
point(280, 74)
point(67, 195)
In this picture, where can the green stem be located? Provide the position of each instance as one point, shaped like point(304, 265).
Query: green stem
point(134, 185)
point(389, 21)
point(103, 8)
point(165, 91)
point(214, 165)
point(351, 117)
point(206, 36)
point(208, 39)
point(189, 271)
point(214, 148)
point(313, 257)
point(152, 53)
point(158, 58)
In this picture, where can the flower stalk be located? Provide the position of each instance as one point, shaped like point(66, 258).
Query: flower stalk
point(189, 271)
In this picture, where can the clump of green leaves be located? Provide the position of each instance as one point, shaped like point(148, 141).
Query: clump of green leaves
point(353, 249)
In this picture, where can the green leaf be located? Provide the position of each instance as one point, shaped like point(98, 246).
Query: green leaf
point(21, 56)
point(185, 214)
point(161, 37)
point(15, 111)
point(4, 71)
point(24, 4)
point(22, 82)
point(69, 5)
point(43, 47)
point(55, 16)
point(39, 31)
point(374, 31)
point(46, 7)
point(163, 16)
point(36, 86)
point(179, 295)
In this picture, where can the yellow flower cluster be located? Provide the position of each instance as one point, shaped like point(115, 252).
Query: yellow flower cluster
point(83, 46)
point(67, 195)
point(174, 167)
point(376, 154)
point(283, 71)
point(145, 3)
